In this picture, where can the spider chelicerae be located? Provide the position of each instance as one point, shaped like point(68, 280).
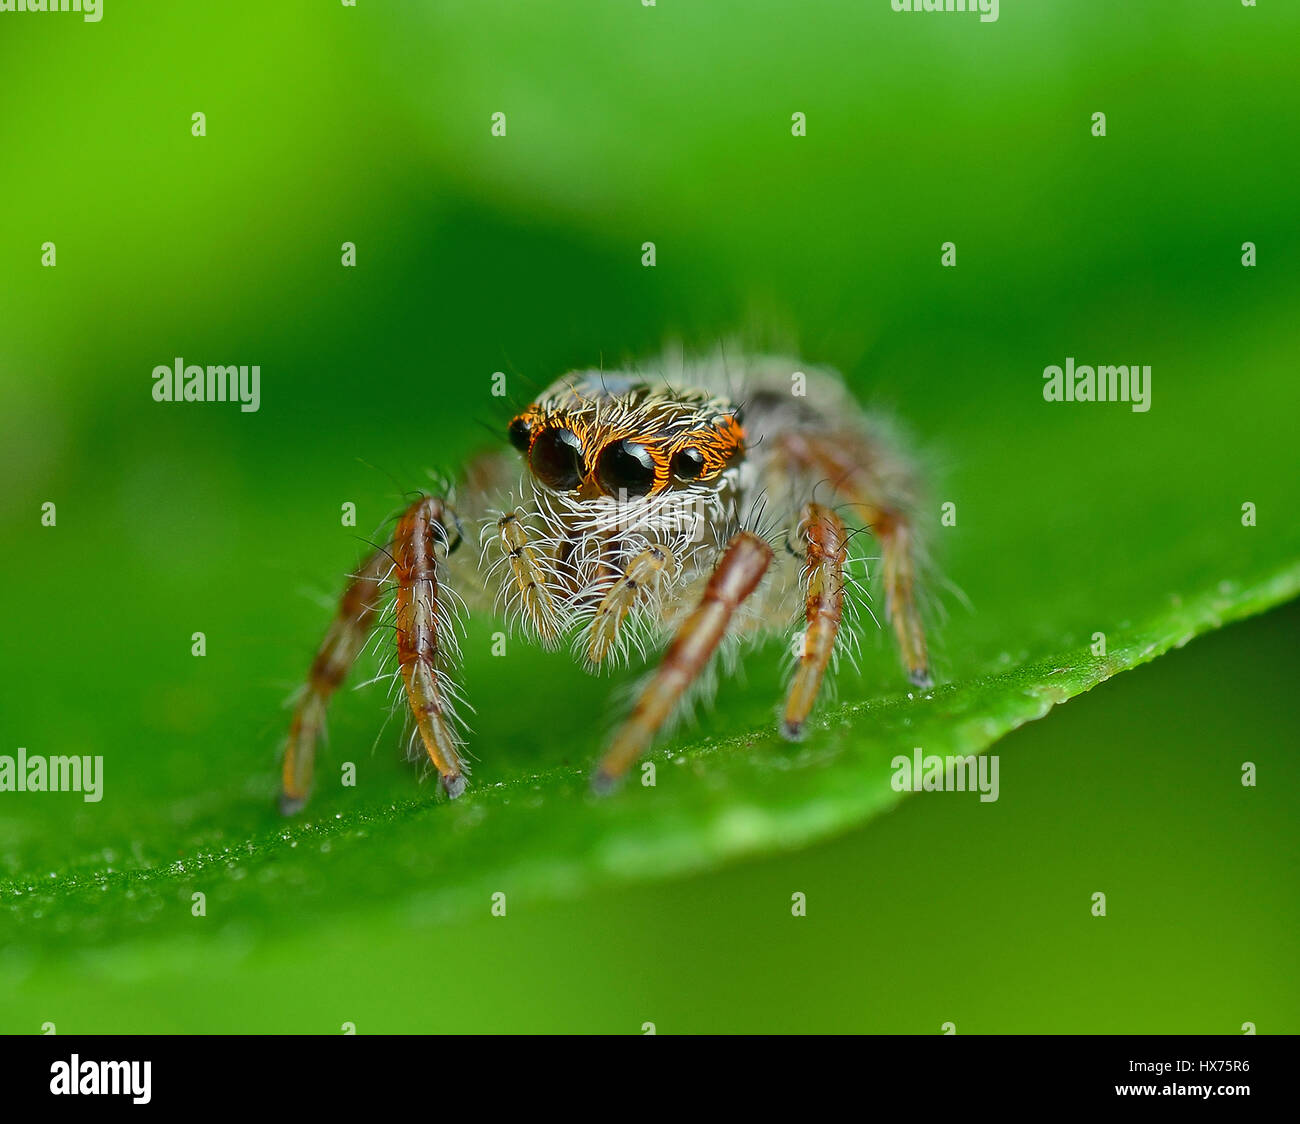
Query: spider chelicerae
point(691, 505)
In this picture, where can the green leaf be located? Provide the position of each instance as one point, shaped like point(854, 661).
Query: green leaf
point(543, 835)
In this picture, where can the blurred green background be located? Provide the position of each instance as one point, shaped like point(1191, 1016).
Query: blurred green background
point(522, 254)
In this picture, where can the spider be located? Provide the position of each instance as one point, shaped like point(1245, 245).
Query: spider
point(673, 507)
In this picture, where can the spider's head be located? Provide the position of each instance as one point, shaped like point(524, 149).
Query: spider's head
point(592, 435)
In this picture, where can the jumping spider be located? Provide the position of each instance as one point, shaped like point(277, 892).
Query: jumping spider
point(654, 508)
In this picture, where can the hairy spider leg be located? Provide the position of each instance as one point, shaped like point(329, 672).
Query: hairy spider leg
point(530, 578)
point(825, 545)
point(421, 535)
point(412, 561)
point(357, 612)
point(735, 577)
point(845, 462)
point(639, 579)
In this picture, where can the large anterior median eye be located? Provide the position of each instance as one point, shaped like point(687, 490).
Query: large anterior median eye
point(626, 466)
point(556, 459)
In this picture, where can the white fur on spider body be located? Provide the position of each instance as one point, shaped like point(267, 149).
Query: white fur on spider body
point(687, 508)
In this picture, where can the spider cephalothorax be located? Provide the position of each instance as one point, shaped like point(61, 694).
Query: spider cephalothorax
point(624, 480)
point(672, 507)
point(595, 434)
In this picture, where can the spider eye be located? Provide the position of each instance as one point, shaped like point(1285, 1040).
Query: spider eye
point(556, 459)
point(626, 466)
point(520, 433)
point(687, 464)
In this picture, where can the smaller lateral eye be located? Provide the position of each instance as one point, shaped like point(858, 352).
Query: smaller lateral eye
point(520, 433)
point(687, 464)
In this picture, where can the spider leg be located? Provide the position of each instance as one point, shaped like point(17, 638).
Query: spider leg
point(641, 575)
point(357, 612)
point(894, 531)
point(825, 543)
point(531, 579)
point(850, 465)
point(421, 544)
point(412, 559)
point(735, 577)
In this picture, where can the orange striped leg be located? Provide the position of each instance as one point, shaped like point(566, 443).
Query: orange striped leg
point(825, 548)
point(742, 566)
point(843, 461)
point(356, 615)
point(420, 544)
point(894, 533)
